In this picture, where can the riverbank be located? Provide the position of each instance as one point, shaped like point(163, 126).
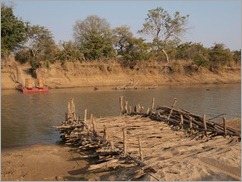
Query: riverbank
point(41, 163)
point(100, 74)
point(175, 157)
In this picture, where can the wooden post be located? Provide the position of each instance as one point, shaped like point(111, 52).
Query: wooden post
point(205, 125)
point(182, 121)
point(126, 107)
point(190, 125)
point(72, 108)
point(124, 142)
point(85, 116)
point(121, 104)
point(93, 123)
point(172, 107)
point(140, 151)
point(138, 108)
point(105, 136)
point(130, 109)
point(69, 109)
point(152, 104)
point(112, 145)
point(225, 127)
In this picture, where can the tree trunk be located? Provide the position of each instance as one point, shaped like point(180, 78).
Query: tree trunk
point(167, 58)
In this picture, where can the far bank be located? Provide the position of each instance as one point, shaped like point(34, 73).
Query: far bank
point(99, 74)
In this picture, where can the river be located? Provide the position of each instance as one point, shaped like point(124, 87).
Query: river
point(28, 119)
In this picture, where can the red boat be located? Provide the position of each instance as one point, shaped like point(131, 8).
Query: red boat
point(32, 90)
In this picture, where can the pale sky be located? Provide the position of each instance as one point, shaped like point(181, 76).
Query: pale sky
point(217, 21)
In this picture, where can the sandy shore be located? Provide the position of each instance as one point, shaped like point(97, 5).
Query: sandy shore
point(173, 155)
point(41, 163)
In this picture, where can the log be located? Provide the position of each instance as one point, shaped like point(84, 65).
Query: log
point(111, 163)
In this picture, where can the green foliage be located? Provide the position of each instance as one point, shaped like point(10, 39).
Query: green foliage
point(162, 27)
point(13, 30)
point(97, 47)
point(39, 48)
point(121, 38)
point(69, 52)
point(237, 56)
point(136, 49)
point(195, 52)
point(219, 56)
point(94, 37)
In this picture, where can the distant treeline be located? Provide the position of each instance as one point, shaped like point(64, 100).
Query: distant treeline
point(95, 40)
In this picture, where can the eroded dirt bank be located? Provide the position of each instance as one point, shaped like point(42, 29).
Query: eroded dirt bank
point(76, 74)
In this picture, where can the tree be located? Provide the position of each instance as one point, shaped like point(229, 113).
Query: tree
point(237, 56)
point(122, 36)
point(195, 52)
point(39, 47)
point(13, 30)
point(93, 36)
point(69, 52)
point(162, 27)
point(219, 56)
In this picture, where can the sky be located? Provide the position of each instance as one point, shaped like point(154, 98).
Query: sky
point(210, 22)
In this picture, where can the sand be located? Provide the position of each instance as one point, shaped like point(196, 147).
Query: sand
point(41, 163)
point(174, 155)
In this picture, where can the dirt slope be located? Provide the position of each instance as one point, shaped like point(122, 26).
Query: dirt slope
point(76, 74)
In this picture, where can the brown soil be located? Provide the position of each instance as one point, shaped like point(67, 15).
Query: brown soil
point(96, 74)
point(41, 163)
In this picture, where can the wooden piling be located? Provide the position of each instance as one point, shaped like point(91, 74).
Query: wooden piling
point(112, 145)
point(190, 125)
point(138, 108)
point(73, 108)
point(124, 142)
point(205, 125)
point(225, 126)
point(93, 123)
point(121, 104)
point(105, 135)
point(140, 151)
point(172, 107)
point(153, 104)
point(69, 109)
point(126, 107)
point(182, 121)
point(130, 109)
point(85, 116)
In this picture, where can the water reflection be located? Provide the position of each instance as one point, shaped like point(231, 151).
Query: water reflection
point(29, 118)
